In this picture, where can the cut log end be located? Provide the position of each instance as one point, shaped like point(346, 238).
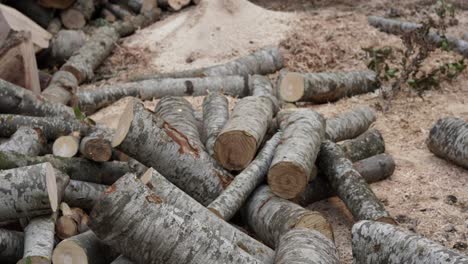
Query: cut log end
point(34, 260)
point(66, 146)
point(66, 227)
point(52, 189)
point(177, 5)
point(73, 19)
point(287, 180)
point(69, 251)
point(96, 149)
point(234, 150)
point(124, 124)
point(292, 87)
point(316, 221)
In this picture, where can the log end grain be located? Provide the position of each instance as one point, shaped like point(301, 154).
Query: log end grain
point(72, 19)
point(66, 227)
point(66, 146)
point(292, 87)
point(96, 148)
point(316, 221)
point(124, 124)
point(52, 188)
point(68, 251)
point(234, 150)
point(287, 180)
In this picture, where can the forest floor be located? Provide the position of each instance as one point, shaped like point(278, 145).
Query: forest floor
point(425, 194)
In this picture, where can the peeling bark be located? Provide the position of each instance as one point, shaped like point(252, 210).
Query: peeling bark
point(215, 116)
point(38, 241)
point(350, 124)
point(83, 194)
point(366, 145)
point(11, 245)
point(26, 141)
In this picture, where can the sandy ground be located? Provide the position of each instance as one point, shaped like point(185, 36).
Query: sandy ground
point(426, 194)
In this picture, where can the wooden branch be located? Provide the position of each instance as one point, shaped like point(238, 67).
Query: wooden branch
point(11, 243)
point(26, 141)
point(38, 241)
point(83, 194)
point(368, 144)
point(350, 124)
point(215, 116)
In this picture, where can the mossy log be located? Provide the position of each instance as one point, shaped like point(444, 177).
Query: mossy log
point(215, 116)
point(350, 124)
point(366, 145)
point(38, 241)
point(11, 245)
point(26, 141)
point(83, 194)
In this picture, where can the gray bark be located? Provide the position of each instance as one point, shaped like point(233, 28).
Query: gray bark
point(262, 62)
point(26, 141)
point(291, 168)
point(61, 88)
point(122, 260)
point(83, 194)
point(140, 225)
point(448, 139)
point(215, 116)
point(177, 198)
point(11, 246)
point(235, 195)
point(118, 11)
point(375, 242)
point(262, 86)
point(38, 240)
point(78, 14)
point(350, 124)
point(366, 145)
point(349, 185)
point(465, 36)
point(243, 133)
point(270, 217)
point(155, 143)
point(301, 246)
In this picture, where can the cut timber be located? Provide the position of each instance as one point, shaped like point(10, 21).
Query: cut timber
point(77, 168)
point(38, 241)
point(368, 144)
point(270, 216)
point(16, 21)
point(243, 133)
point(302, 246)
point(42, 16)
point(65, 43)
point(78, 14)
point(349, 185)
point(372, 169)
point(350, 124)
point(235, 195)
point(174, 5)
point(140, 225)
point(155, 143)
point(61, 88)
point(215, 116)
point(83, 194)
point(448, 139)
point(85, 248)
point(261, 86)
point(291, 168)
point(66, 227)
point(122, 260)
point(172, 195)
point(397, 27)
point(57, 4)
point(21, 184)
point(66, 146)
point(375, 242)
point(11, 244)
point(325, 87)
point(91, 100)
point(18, 61)
point(108, 16)
point(54, 26)
point(26, 141)
point(16, 100)
point(96, 147)
point(137, 6)
point(119, 11)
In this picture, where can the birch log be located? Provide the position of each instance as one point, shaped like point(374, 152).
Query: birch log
point(291, 168)
point(366, 145)
point(235, 195)
point(243, 133)
point(325, 87)
point(83, 194)
point(302, 245)
point(448, 139)
point(38, 241)
point(172, 195)
point(350, 124)
point(261, 86)
point(270, 217)
point(215, 116)
point(11, 245)
point(148, 230)
point(349, 185)
point(61, 88)
point(155, 143)
point(91, 100)
point(375, 242)
point(262, 62)
point(26, 141)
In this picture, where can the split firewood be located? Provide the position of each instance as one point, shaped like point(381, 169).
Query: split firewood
point(122, 260)
point(78, 14)
point(397, 27)
point(18, 60)
point(119, 11)
point(262, 62)
point(302, 245)
point(174, 5)
point(30, 8)
point(375, 242)
point(164, 234)
point(61, 88)
point(38, 241)
point(235, 195)
point(270, 216)
point(108, 15)
point(66, 146)
point(155, 143)
point(291, 168)
point(57, 4)
point(368, 144)
point(54, 26)
point(26, 141)
point(215, 116)
point(91, 100)
point(350, 124)
point(82, 248)
point(349, 185)
point(172, 195)
point(83, 194)
point(96, 147)
point(243, 133)
point(11, 243)
point(448, 139)
point(372, 170)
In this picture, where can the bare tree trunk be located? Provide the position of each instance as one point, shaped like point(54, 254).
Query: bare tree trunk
point(38, 241)
point(11, 244)
point(215, 116)
point(26, 141)
point(366, 145)
point(350, 124)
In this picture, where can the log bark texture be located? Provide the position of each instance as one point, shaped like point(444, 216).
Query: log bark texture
point(326, 87)
point(11, 245)
point(163, 233)
point(61, 88)
point(375, 242)
point(349, 185)
point(261, 86)
point(83, 194)
point(155, 143)
point(368, 144)
point(122, 260)
point(350, 124)
point(270, 217)
point(235, 195)
point(215, 116)
point(291, 168)
point(38, 241)
point(26, 141)
point(243, 134)
point(448, 139)
point(301, 246)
